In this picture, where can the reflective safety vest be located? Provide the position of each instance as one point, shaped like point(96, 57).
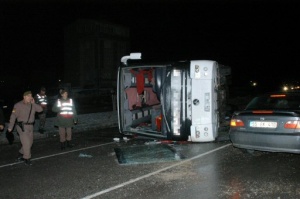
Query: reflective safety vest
point(42, 100)
point(66, 108)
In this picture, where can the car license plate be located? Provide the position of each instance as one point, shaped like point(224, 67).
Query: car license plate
point(260, 124)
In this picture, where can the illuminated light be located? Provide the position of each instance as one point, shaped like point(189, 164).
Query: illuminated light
point(292, 125)
point(236, 123)
point(283, 95)
point(253, 83)
point(262, 112)
point(285, 88)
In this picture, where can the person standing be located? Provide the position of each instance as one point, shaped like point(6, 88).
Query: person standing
point(41, 99)
point(66, 119)
point(2, 120)
point(23, 115)
point(59, 93)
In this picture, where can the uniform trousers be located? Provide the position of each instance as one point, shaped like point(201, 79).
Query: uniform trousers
point(42, 117)
point(26, 138)
point(63, 131)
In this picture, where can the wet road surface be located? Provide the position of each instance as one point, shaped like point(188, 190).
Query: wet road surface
point(91, 170)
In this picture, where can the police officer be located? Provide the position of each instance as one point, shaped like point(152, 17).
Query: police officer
point(23, 115)
point(66, 118)
point(41, 99)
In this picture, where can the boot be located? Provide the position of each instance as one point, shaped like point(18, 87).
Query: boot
point(27, 162)
point(63, 145)
point(20, 157)
point(69, 144)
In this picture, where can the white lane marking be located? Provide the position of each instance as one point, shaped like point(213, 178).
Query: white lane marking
point(57, 154)
point(153, 173)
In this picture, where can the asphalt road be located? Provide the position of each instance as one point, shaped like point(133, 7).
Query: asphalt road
point(91, 170)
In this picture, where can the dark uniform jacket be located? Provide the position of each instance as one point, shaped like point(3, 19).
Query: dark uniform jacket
point(66, 112)
point(41, 100)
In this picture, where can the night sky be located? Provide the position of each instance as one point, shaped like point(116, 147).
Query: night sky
point(258, 39)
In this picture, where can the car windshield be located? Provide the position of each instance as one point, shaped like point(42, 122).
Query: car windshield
point(275, 102)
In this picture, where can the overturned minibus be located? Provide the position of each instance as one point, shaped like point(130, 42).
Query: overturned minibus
point(179, 101)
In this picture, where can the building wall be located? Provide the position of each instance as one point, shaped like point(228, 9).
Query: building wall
point(93, 50)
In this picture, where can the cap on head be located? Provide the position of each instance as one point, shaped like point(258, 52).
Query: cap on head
point(27, 93)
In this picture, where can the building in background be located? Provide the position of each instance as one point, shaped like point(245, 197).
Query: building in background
point(92, 53)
